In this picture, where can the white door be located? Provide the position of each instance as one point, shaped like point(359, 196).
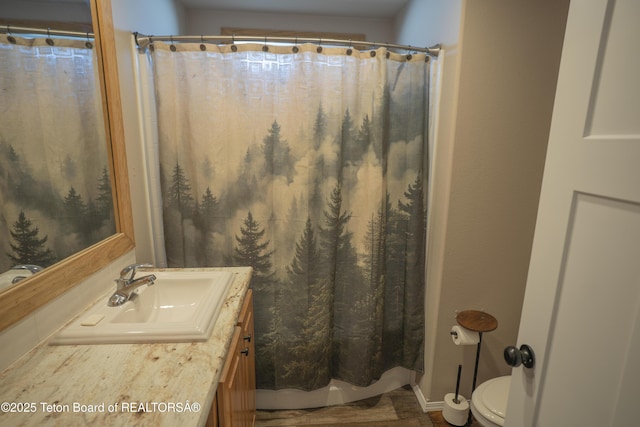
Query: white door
point(582, 302)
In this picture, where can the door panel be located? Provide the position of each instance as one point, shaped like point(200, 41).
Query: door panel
point(603, 245)
point(613, 67)
point(582, 302)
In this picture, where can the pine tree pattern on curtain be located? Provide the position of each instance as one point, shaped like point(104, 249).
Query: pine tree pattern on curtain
point(310, 167)
point(55, 189)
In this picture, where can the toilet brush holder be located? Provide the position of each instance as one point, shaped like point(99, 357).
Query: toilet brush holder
point(456, 408)
point(455, 413)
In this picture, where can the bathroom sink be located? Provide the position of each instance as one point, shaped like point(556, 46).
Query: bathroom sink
point(182, 305)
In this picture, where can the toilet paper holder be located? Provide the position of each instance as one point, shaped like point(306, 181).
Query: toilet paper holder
point(480, 322)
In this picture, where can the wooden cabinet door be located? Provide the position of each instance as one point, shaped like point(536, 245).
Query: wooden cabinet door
point(249, 363)
point(237, 387)
point(212, 419)
point(231, 386)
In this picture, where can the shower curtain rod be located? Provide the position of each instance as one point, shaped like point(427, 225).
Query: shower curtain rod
point(144, 40)
point(10, 29)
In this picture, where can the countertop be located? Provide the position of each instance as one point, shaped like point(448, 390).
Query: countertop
point(159, 384)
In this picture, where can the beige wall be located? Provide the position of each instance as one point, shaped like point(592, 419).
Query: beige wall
point(508, 62)
point(210, 21)
point(146, 17)
point(429, 22)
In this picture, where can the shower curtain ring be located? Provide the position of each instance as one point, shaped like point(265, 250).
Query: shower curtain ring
point(234, 48)
point(173, 46)
point(88, 43)
point(265, 48)
point(10, 37)
point(295, 46)
point(48, 40)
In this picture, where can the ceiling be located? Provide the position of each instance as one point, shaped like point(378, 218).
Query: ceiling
point(357, 8)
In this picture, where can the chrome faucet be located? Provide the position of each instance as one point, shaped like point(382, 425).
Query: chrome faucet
point(126, 284)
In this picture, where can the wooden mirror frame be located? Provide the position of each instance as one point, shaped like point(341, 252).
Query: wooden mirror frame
point(34, 292)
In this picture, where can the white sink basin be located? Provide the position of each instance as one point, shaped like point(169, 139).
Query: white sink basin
point(182, 305)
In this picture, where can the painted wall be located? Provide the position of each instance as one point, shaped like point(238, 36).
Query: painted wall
point(145, 17)
point(426, 22)
point(509, 55)
point(148, 16)
point(55, 11)
point(208, 21)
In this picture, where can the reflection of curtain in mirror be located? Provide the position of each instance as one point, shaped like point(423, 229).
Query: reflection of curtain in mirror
point(310, 167)
point(55, 197)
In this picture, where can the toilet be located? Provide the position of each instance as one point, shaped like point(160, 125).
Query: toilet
point(489, 401)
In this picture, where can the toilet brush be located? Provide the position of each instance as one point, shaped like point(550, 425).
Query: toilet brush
point(455, 399)
point(456, 407)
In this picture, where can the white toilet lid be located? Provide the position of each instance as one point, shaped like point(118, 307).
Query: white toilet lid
point(489, 401)
point(495, 395)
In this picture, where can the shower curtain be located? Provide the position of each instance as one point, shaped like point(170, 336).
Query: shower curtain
point(55, 190)
point(310, 165)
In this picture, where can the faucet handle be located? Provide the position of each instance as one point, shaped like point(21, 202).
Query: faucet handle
point(31, 267)
point(129, 271)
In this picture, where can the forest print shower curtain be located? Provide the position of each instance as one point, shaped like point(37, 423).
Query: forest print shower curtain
point(308, 164)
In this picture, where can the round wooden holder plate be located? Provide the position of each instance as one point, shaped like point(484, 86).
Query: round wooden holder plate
point(477, 321)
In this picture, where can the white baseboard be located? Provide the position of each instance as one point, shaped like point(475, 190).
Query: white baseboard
point(434, 406)
point(424, 404)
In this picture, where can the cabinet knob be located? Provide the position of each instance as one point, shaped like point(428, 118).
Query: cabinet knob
point(247, 338)
point(245, 352)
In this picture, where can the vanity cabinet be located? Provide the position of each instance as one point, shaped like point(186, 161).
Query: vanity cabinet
point(235, 401)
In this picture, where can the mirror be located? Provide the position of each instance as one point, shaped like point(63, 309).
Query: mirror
point(55, 189)
point(35, 291)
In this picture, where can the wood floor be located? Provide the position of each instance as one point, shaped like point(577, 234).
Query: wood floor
point(398, 408)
